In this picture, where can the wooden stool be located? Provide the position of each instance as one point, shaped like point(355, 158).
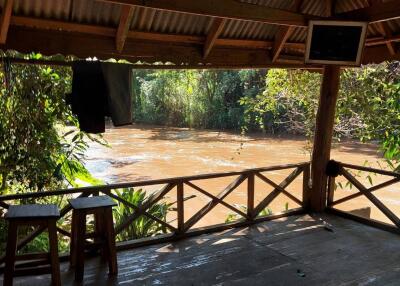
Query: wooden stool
point(32, 215)
point(101, 207)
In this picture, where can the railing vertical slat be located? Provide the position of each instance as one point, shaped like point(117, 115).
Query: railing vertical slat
point(180, 208)
point(250, 196)
point(306, 187)
point(331, 190)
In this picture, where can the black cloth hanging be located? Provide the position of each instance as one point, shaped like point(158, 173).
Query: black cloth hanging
point(99, 90)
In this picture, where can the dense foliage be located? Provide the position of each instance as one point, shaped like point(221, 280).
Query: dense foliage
point(198, 99)
point(274, 101)
point(39, 147)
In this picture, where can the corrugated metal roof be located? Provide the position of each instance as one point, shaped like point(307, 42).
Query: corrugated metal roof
point(95, 12)
point(150, 20)
point(52, 9)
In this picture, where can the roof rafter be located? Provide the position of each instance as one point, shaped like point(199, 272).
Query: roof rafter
point(387, 34)
point(377, 12)
point(5, 20)
point(212, 36)
point(42, 24)
point(83, 45)
point(384, 30)
point(284, 33)
point(232, 9)
point(123, 27)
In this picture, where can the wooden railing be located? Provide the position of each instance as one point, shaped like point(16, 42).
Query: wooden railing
point(342, 169)
point(184, 226)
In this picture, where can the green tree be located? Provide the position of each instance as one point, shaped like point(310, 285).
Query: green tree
point(38, 151)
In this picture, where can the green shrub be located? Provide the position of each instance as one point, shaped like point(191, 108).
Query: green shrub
point(141, 226)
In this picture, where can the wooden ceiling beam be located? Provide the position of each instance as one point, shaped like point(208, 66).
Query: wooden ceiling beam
point(81, 45)
point(284, 32)
point(384, 30)
point(386, 33)
point(281, 37)
point(5, 20)
point(215, 31)
point(377, 12)
point(231, 9)
point(49, 25)
point(138, 35)
point(378, 54)
point(123, 27)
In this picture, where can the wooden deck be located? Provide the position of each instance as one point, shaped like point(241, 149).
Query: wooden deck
point(298, 250)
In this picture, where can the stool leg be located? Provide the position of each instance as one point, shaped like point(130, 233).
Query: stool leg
point(98, 218)
point(10, 253)
point(110, 240)
point(80, 249)
point(72, 247)
point(55, 264)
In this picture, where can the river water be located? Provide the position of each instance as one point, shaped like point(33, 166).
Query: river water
point(143, 152)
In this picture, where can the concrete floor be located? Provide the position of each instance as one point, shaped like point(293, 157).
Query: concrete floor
point(299, 250)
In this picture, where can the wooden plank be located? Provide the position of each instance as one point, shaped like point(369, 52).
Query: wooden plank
point(208, 207)
point(197, 188)
point(224, 9)
point(10, 254)
point(89, 203)
point(382, 11)
point(215, 31)
point(330, 8)
point(374, 188)
point(282, 190)
point(5, 20)
point(180, 207)
point(123, 27)
point(385, 31)
point(54, 260)
point(284, 33)
point(141, 209)
point(83, 45)
point(331, 190)
point(280, 38)
point(132, 206)
point(45, 24)
point(250, 195)
point(286, 182)
point(385, 210)
point(204, 230)
point(369, 222)
point(306, 187)
point(4, 205)
point(323, 136)
point(369, 169)
point(86, 191)
point(110, 242)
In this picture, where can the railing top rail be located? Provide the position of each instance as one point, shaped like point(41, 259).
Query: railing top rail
point(92, 189)
point(369, 169)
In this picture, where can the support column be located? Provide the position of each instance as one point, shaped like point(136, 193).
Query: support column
point(323, 136)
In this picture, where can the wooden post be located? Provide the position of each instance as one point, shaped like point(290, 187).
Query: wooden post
point(180, 208)
point(250, 196)
point(323, 136)
point(306, 187)
point(331, 190)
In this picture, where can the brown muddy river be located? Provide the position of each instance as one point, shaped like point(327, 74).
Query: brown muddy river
point(143, 152)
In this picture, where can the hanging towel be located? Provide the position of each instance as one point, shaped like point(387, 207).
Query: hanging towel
point(119, 98)
point(99, 90)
